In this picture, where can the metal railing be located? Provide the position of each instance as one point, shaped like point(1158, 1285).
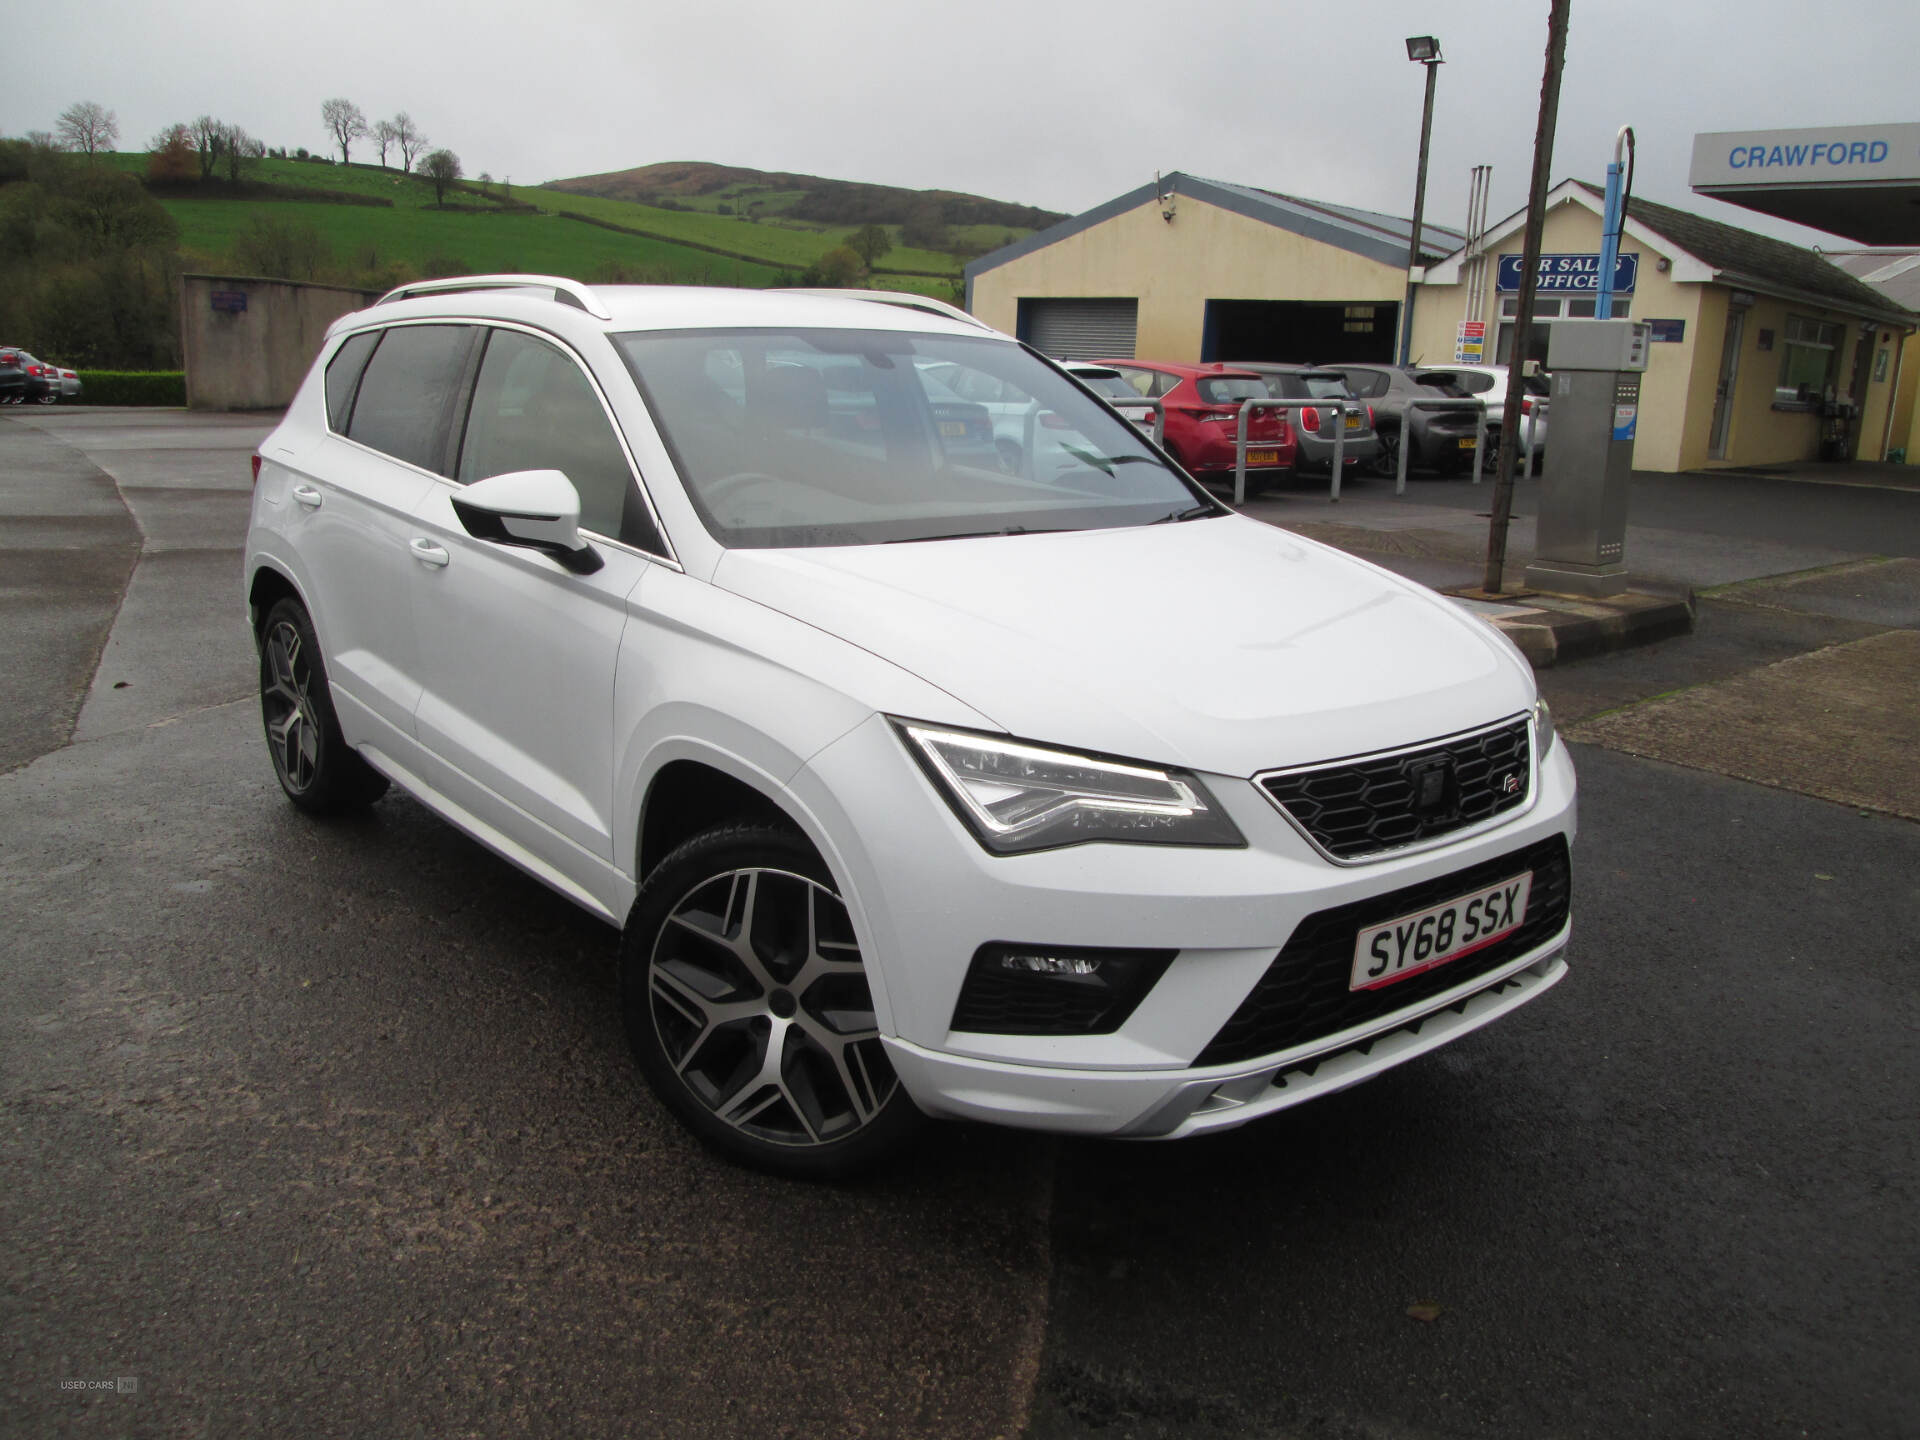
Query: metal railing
point(1406, 435)
point(1538, 415)
point(1341, 409)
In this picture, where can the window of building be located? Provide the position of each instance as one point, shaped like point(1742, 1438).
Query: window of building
point(1809, 358)
point(1546, 310)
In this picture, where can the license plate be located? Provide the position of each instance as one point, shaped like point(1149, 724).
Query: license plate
point(1353, 422)
point(1263, 457)
point(953, 429)
point(1467, 443)
point(1409, 944)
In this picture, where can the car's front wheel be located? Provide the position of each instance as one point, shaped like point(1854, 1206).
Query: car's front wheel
point(316, 767)
point(748, 1009)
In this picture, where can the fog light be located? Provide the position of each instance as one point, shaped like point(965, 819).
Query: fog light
point(1014, 989)
point(1063, 965)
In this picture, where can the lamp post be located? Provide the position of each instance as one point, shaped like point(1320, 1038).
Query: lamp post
point(1424, 50)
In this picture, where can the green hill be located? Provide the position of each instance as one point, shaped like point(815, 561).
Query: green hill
point(373, 219)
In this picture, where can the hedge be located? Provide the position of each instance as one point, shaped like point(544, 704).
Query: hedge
point(132, 387)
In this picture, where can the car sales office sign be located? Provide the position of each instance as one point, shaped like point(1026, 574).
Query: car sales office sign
point(1577, 274)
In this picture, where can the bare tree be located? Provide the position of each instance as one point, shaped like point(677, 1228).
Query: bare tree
point(441, 168)
point(384, 135)
point(88, 127)
point(409, 137)
point(239, 150)
point(209, 137)
point(345, 120)
point(171, 155)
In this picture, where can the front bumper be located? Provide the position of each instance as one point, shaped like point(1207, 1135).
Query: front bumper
point(925, 896)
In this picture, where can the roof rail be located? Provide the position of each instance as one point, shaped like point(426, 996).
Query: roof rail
point(567, 292)
point(905, 299)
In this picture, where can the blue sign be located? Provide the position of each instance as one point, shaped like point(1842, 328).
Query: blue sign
point(231, 302)
point(1667, 332)
point(1561, 274)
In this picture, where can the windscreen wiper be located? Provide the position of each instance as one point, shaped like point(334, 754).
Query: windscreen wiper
point(1198, 512)
point(973, 535)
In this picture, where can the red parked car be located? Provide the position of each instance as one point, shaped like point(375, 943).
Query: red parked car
point(1203, 413)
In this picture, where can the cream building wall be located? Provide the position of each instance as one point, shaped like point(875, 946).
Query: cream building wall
point(1677, 391)
point(1669, 391)
point(1174, 267)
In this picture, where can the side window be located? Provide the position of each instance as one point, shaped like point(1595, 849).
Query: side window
point(1162, 385)
point(343, 374)
point(403, 405)
point(533, 409)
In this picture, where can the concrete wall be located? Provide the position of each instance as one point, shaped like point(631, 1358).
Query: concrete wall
point(255, 359)
point(1677, 392)
point(1173, 268)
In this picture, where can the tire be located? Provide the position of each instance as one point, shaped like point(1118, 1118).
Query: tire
point(738, 944)
point(1386, 460)
point(316, 767)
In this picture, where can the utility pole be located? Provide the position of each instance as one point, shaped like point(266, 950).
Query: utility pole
point(1426, 50)
point(1491, 581)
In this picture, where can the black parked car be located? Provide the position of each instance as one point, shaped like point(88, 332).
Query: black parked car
point(1442, 440)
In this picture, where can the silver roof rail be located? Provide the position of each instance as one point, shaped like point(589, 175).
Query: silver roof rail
point(905, 299)
point(567, 292)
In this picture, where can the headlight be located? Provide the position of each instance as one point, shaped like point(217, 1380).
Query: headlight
point(1543, 731)
point(1019, 797)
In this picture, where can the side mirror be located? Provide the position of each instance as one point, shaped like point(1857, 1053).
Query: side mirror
point(535, 509)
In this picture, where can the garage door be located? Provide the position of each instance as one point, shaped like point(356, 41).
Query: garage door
point(1080, 329)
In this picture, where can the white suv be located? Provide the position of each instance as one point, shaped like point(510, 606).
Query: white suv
point(1072, 801)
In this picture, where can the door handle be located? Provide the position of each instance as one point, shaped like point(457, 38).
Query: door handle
point(428, 553)
point(307, 495)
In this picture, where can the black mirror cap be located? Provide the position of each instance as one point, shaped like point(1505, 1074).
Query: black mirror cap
point(487, 525)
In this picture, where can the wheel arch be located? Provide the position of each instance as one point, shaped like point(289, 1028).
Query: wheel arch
point(268, 586)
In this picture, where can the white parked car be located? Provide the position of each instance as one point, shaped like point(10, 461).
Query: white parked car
point(1077, 802)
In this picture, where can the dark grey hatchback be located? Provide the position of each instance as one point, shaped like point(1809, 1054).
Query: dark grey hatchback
point(1442, 440)
point(1315, 426)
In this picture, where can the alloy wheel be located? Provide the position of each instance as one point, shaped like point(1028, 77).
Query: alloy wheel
point(293, 729)
point(762, 1008)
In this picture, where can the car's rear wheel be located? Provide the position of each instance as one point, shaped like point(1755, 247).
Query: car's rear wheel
point(316, 767)
point(748, 1008)
point(1386, 459)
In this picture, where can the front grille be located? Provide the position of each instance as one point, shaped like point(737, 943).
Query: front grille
point(1357, 808)
point(1304, 995)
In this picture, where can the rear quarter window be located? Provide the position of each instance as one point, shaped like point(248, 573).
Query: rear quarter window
point(343, 377)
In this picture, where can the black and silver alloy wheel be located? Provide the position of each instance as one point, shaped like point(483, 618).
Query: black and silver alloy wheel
point(749, 1010)
point(286, 679)
point(316, 767)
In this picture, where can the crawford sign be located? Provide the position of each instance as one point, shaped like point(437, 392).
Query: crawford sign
point(1560, 274)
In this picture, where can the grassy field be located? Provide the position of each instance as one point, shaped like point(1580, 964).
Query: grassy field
point(679, 243)
point(542, 244)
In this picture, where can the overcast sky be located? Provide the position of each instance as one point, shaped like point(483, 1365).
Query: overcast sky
point(1047, 102)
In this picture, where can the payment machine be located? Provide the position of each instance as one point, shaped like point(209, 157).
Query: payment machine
point(1594, 407)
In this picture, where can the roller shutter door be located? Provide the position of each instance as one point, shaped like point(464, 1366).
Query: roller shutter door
point(1080, 329)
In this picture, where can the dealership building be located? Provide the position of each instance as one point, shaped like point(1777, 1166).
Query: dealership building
point(1764, 351)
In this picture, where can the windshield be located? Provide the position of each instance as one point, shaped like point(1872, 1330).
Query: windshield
point(1307, 385)
point(1443, 382)
point(1232, 390)
point(1107, 382)
point(855, 437)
